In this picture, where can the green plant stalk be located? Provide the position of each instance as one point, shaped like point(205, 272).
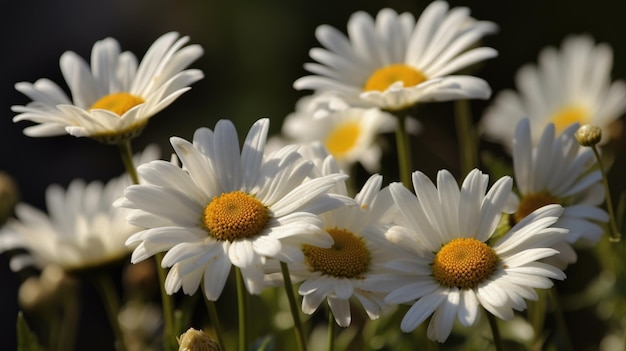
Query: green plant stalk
point(493, 323)
point(466, 136)
point(169, 334)
point(104, 286)
point(293, 307)
point(331, 331)
point(242, 310)
point(215, 321)
point(403, 150)
point(614, 235)
point(560, 320)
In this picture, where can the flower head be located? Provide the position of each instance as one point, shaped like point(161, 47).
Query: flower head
point(392, 62)
point(448, 263)
point(348, 133)
point(570, 85)
point(81, 230)
point(227, 207)
point(112, 100)
point(558, 170)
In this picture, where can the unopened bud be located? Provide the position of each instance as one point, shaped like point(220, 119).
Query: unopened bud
point(196, 340)
point(588, 135)
point(8, 196)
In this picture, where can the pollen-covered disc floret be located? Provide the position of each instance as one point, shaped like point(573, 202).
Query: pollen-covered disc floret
point(464, 263)
point(347, 258)
point(112, 98)
point(393, 61)
point(228, 204)
point(235, 215)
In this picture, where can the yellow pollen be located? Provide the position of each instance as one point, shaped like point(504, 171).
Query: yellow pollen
point(235, 215)
point(464, 263)
point(531, 202)
point(347, 258)
point(342, 139)
point(382, 78)
point(569, 115)
point(117, 103)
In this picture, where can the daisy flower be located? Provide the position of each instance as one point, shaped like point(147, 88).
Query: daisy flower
point(81, 230)
point(392, 62)
point(112, 100)
point(448, 262)
point(569, 86)
point(558, 171)
point(348, 133)
point(227, 207)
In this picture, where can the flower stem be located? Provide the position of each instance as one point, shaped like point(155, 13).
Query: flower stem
point(466, 136)
point(560, 320)
point(614, 235)
point(331, 331)
point(497, 340)
point(293, 306)
point(106, 289)
point(242, 311)
point(215, 321)
point(403, 149)
point(169, 335)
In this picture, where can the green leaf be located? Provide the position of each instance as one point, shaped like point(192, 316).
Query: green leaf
point(26, 339)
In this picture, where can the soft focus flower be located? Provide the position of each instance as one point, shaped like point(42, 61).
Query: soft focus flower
point(196, 340)
point(81, 230)
point(392, 62)
point(558, 171)
point(112, 100)
point(348, 133)
point(227, 207)
point(569, 86)
point(448, 264)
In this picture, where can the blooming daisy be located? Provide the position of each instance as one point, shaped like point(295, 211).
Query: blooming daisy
point(558, 170)
point(393, 62)
point(227, 207)
point(348, 133)
point(448, 262)
point(112, 100)
point(82, 228)
point(572, 85)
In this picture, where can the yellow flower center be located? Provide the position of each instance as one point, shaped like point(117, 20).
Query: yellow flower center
point(464, 263)
point(347, 258)
point(117, 103)
point(531, 202)
point(235, 215)
point(382, 78)
point(569, 115)
point(342, 139)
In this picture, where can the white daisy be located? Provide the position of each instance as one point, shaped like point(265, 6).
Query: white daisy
point(348, 133)
point(112, 100)
point(227, 207)
point(448, 262)
point(572, 85)
point(393, 62)
point(558, 170)
point(82, 228)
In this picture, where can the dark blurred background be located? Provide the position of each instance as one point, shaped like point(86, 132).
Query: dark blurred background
point(254, 50)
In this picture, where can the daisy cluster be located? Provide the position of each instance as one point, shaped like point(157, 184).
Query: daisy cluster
point(272, 216)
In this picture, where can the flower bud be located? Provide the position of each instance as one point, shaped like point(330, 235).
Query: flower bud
point(8, 196)
point(588, 135)
point(196, 340)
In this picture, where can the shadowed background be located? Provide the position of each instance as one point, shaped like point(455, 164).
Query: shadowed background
point(253, 53)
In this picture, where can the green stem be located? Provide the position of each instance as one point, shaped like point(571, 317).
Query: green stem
point(106, 289)
point(293, 307)
point(242, 311)
point(331, 331)
point(560, 320)
point(127, 157)
point(615, 236)
point(466, 136)
point(497, 340)
point(403, 149)
point(215, 321)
